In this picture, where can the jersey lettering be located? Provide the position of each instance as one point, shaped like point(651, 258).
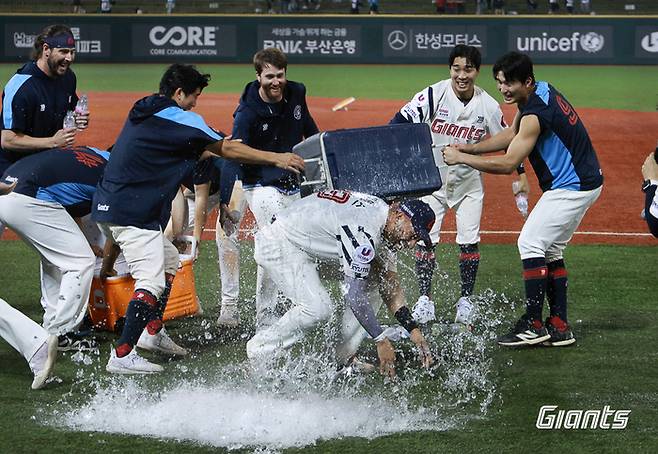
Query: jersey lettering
point(567, 110)
point(440, 126)
point(335, 195)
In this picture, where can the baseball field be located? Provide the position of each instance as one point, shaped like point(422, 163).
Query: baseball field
point(479, 398)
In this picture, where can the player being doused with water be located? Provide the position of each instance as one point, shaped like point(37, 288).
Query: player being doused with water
point(361, 233)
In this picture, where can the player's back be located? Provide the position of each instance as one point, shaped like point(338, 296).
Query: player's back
point(317, 222)
point(563, 157)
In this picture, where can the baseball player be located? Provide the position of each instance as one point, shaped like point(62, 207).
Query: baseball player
point(272, 115)
point(160, 143)
point(548, 131)
point(355, 230)
point(37, 97)
point(51, 189)
point(457, 111)
point(650, 174)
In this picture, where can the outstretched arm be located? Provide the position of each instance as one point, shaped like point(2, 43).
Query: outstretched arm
point(237, 151)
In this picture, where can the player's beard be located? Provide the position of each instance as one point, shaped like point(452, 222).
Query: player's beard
point(57, 66)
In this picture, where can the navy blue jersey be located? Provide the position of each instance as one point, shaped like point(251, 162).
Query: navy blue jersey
point(67, 176)
point(158, 146)
point(35, 105)
point(205, 171)
point(563, 157)
point(272, 127)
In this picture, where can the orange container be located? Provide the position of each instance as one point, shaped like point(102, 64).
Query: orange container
point(108, 303)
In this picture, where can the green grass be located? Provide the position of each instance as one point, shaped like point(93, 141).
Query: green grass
point(607, 87)
point(612, 293)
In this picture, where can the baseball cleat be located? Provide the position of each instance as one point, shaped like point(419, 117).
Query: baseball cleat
point(525, 332)
point(464, 312)
point(132, 363)
point(423, 312)
point(229, 316)
point(43, 361)
point(560, 333)
point(160, 342)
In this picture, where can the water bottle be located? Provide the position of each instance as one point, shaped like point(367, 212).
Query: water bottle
point(69, 120)
point(82, 107)
point(522, 203)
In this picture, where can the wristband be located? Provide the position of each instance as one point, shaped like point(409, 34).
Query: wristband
point(403, 315)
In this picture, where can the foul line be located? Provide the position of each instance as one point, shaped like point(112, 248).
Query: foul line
point(510, 232)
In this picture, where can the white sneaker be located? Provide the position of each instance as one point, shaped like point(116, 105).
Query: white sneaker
point(43, 361)
point(423, 310)
point(464, 311)
point(160, 342)
point(132, 363)
point(229, 316)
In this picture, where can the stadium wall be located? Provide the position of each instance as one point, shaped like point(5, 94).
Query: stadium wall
point(342, 39)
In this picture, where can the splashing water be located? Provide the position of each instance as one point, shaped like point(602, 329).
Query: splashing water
point(300, 402)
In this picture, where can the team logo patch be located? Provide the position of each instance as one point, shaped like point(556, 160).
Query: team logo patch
point(364, 254)
point(265, 126)
point(410, 111)
point(444, 113)
point(42, 107)
point(480, 119)
point(297, 113)
point(88, 160)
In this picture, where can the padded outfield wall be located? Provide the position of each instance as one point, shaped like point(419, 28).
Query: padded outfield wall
point(343, 39)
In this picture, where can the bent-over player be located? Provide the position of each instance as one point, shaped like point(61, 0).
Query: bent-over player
point(160, 143)
point(457, 111)
point(649, 186)
point(357, 231)
point(548, 131)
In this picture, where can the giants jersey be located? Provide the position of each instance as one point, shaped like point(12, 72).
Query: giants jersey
point(452, 122)
point(563, 157)
point(342, 226)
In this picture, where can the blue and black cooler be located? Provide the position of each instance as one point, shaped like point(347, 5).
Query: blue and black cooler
point(390, 162)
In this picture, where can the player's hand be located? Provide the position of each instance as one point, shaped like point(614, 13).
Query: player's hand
point(64, 138)
point(451, 155)
point(386, 356)
point(104, 273)
point(424, 353)
point(290, 161)
point(650, 168)
point(229, 220)
point(82, 120)
point(7, 188)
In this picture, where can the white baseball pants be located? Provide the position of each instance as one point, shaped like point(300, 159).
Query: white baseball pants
point(22, 333)
point(551, 224)
point(296, 275)
point(148, 253)
point(67, 261)
point(265, 202)
point(468, 213)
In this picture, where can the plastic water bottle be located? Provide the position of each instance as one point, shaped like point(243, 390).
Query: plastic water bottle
point(522, 203)
point(69, 120)
point(82, 107)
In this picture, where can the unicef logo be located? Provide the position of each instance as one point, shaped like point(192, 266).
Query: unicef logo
point(397, 40)
point(592, 42)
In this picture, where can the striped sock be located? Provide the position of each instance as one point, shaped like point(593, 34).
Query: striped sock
point(535, 275)
point(139, 311)
point(154, 325)
point(556, 289)
point(469, 262)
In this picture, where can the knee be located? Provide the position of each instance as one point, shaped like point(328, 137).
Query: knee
point(316, 314)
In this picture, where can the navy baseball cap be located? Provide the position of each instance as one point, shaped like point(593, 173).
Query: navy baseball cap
point(422, 218)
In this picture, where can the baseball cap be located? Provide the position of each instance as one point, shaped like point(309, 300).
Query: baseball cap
point(422, 218)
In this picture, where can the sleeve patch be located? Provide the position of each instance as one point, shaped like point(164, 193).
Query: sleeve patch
point(364, 254)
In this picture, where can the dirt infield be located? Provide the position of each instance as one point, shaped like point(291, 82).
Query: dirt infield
point(622, 140)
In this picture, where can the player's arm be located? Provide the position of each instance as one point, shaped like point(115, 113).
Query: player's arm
point(392, 294)
point(110, 253)
point(519, 149)
point(357, 299)
point(496, 142)
point(6, 188)
point(178, 216)
point(237, 151)
point(418, 110)
point(22, 143)
point(201, 194)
